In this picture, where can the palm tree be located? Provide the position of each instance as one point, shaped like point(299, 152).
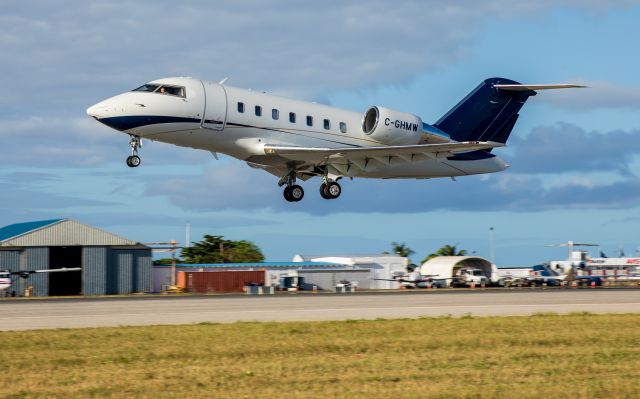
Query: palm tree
point(446, 250)
point(401, 250)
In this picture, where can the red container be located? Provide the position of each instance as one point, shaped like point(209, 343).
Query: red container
point(222, 281)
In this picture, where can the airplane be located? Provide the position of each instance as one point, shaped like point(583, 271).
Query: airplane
point(296, 140)
point(416, 280)
point(5, 275)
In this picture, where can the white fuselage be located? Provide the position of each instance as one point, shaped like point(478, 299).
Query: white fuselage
point(208, 116)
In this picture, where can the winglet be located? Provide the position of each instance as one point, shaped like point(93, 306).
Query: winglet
point(523, 87)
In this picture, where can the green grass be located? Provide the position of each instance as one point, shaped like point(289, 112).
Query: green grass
point(545, 355)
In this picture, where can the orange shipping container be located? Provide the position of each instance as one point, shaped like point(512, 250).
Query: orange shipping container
point(222, 281)
point(181, 280)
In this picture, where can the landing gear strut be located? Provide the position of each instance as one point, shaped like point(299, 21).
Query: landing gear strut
point(330, 189)
point(292, 192)
point(133, 160)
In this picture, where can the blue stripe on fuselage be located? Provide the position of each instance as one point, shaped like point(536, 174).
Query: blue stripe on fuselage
point(130, 122)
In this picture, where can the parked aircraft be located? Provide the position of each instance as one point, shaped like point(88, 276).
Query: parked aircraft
point(416, 280)
point(296, 140)
point(5, 275)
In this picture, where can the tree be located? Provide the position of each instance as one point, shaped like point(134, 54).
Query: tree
point(215, 249)
point(446, 250)
point(401, 250)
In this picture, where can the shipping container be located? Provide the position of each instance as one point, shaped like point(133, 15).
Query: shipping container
point(220, 281)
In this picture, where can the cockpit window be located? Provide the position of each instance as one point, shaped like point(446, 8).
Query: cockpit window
point(163, 89)
point(147, 87)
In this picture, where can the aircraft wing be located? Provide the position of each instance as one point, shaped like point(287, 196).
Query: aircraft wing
point(318, 154)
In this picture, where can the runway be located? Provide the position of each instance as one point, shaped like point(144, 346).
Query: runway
point(104, 312)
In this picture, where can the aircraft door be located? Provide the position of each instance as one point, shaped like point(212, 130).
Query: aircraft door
point(215, 106)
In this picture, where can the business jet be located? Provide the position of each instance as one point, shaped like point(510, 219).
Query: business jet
point(296, 140)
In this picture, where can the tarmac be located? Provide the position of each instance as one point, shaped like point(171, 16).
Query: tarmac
point(156, 310)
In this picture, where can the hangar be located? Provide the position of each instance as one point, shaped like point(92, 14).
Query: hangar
point(110, 264)
point(445, 267)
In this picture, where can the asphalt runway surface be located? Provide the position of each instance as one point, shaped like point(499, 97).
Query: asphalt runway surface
point(104, 312)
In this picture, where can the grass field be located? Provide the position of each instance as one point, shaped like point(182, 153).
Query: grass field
point(579, 355)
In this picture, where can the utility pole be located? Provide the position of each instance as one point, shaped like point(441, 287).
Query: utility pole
point(187, 238)
point(492, 250)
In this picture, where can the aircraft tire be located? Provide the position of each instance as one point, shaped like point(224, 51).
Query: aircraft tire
point(296, 193)
point(133, 161)
point(323, 192)
point(287, 194)
point(334, 190)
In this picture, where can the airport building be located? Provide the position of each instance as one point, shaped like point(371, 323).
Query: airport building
point(324, 272)
point(109, 264)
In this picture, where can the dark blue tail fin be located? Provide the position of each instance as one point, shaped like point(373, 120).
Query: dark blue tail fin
point(485, 114)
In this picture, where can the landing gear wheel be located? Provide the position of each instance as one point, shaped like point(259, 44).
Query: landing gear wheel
point(323, 191)
point(333, 190)
point(287, 194)
point(296, 192)
point(133, 161)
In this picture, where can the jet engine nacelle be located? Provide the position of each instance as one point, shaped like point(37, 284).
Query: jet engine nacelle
point(392, 127)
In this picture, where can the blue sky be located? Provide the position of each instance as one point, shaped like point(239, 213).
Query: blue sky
point(574, 154)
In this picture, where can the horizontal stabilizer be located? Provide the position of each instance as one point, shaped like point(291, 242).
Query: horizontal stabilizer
point(522, 87)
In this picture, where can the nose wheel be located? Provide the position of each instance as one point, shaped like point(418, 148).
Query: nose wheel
point(133, 160)
point(330, 190)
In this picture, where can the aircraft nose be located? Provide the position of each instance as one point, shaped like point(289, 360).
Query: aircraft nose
point(92, 111)
point(101, 110)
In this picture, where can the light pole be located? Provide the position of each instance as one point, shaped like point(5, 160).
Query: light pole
point(492, 251)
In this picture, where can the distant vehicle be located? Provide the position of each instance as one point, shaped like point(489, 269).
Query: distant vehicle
point(5, 275)
point(468, 276)
point(296, 140)
point(416, 280)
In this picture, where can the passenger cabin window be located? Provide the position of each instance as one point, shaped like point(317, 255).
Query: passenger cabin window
point(309, 120)
point(343, 127)
point(292, 117)
point(258, 110)
point(275, 114)
point(177, 91)
point(241, 107)
point(327, 124)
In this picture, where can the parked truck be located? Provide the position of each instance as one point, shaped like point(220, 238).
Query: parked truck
point(469, 276)
point(460, 271)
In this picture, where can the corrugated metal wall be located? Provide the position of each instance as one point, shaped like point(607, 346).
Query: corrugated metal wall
point(120, 276)
point(37, 259)
point(10, 260)
point(129, 271)
point(327, 279)
point(94, 268)
point(222, 281)
point(143, 271)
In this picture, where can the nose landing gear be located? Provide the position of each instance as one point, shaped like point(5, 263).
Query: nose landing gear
point(133, 160)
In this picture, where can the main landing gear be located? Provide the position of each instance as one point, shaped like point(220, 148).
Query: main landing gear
point(330, 189)
point(292, 192)
point(133, 160)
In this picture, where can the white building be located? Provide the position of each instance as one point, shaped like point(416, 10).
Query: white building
point(382, 266)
